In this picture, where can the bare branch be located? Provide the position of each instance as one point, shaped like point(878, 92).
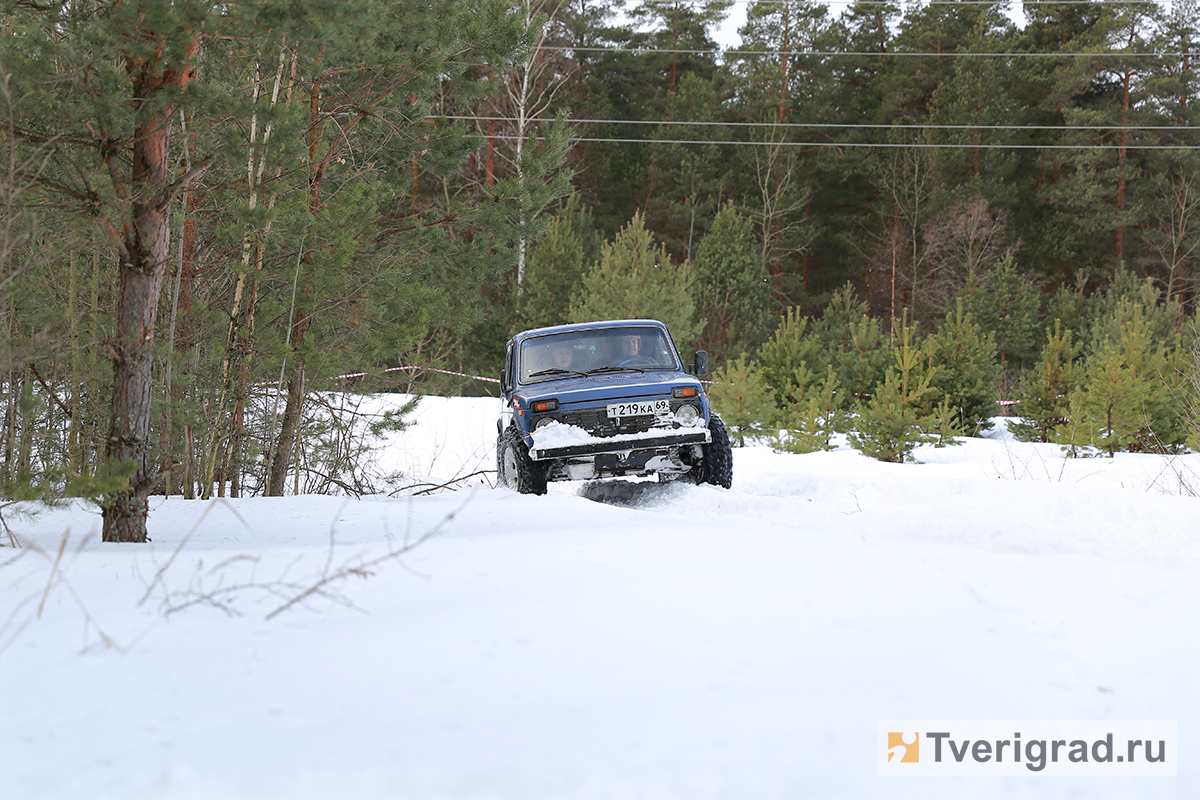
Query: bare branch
point(362, 570)
point(168, 194)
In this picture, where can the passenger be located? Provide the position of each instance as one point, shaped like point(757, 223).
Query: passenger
point(564, 355)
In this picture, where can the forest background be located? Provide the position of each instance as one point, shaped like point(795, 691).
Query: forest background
point(875, 217)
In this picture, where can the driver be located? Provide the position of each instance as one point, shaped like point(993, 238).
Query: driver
point(631, 346)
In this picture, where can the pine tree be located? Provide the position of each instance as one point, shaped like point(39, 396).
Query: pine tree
point(556, 267)
point(945, 424)
point(809, 423)
point(891, 425)
point(1005, 302)
point(1047, 233)
point(778, 85)
point(846, 338)
point(1188, 367)
point(1173, 425)
point(634, 279)
point(789, 357)
point(1103, 99)
point(970, 101)
point(911, 84)
point(1176, 81)
point(539, 137)
point(731, 294)
point(1074, 303)
point(896, 419)
point(962, 360)
point(866, 29)
point(1127, 300)
point(853, 342)
point(627, 84)
point(684, 181)
point(111, 81)
point(308, 140)
point(1123, 404)
point(742, 398)
point(674, 28)
point(1044, 404)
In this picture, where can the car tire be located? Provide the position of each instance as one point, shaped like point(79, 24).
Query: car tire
point(516, 470)
point(717, 467)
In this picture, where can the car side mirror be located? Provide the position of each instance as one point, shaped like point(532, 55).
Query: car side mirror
point(700, 364)
point(504, 379)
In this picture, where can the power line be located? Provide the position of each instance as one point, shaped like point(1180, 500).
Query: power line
point(919, 145)
point(849, 125)
point(956, 2)
point(734, 52)
point(997, 3)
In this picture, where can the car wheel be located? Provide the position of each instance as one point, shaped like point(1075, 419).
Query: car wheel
point(516, 469)
point(717, 467)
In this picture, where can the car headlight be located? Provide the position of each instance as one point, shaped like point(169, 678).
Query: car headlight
point(543, 422)
point(687, 415)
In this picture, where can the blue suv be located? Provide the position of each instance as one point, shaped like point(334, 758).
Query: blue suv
point(606, 399)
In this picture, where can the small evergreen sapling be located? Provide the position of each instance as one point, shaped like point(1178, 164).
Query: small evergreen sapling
point(1005, 302)
point(1044, 406)
point(1130, 300)
point(1189, 392)
point(810, 422)
point(890, 426)
point(853, 342)
point(895, 420)
point(742, 398)
point(1123, 403)
point(846, 338)
point(790, 355)
point(964, 368)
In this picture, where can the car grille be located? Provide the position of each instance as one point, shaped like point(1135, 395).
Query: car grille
point(598, 423)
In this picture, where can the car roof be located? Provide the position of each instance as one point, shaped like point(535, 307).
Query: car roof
point(584, 326)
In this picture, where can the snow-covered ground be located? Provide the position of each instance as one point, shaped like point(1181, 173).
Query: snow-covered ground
point(608, 640)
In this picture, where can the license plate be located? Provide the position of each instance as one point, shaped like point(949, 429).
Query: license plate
point(639, 409)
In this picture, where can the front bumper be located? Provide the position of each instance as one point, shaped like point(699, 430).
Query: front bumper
point(651, 440)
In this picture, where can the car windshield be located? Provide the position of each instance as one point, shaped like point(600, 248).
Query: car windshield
point(571, 353)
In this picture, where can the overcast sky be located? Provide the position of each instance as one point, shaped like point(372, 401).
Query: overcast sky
point(727, 34)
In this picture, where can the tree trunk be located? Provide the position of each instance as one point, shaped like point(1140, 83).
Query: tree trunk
point(7, 466)
point(141, 277)
point(185, 342)
point(95, 408)
point(294, 385)
point(1122, 157)
point(74, 434)
point(287, 432)
point(233, 453)
point(145, 239)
